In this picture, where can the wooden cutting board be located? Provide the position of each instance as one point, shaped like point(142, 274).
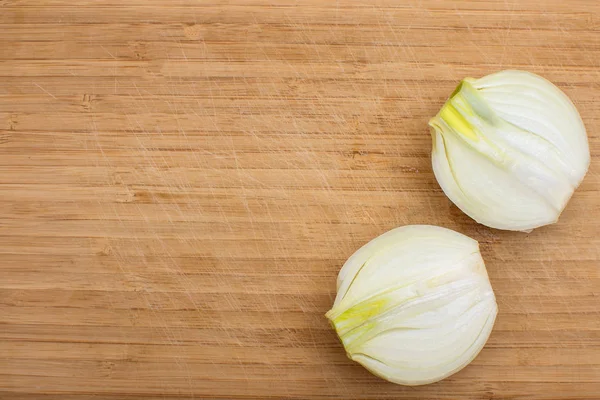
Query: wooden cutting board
point(180, 182)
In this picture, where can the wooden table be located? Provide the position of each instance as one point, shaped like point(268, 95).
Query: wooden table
point(180, 182)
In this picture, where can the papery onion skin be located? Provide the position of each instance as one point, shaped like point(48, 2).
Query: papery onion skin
point(415, 304)
point(509, 150)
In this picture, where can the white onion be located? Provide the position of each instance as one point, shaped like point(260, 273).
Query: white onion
point(415, 304)
point(509, 150)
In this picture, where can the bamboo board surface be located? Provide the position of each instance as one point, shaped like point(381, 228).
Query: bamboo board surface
point(180, 182)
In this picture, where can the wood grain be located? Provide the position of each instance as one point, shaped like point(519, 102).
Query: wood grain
point(180, 182)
